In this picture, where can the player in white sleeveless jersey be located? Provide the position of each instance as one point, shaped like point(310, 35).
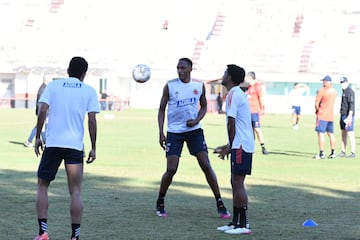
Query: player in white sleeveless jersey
point(183, 96)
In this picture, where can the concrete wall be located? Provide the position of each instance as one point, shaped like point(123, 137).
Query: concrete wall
point(147, 95)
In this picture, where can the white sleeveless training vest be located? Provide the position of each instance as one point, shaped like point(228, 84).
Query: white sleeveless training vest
point(183, 104)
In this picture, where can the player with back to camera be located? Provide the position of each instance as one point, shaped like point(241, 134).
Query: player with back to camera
point(240, 146)
point(183, 95)
point(67, 101)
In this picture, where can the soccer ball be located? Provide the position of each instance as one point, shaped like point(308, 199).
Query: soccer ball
point(141, 73)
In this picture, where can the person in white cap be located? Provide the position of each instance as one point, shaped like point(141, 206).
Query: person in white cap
point(347, 113)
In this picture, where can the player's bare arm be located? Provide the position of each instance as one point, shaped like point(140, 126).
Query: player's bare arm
point(92, 131)
point(225, 150)
point(262, 105)
point(39, 125)
point(318, 101)
point(161, 116)
point(202, 111)
point(231, 129)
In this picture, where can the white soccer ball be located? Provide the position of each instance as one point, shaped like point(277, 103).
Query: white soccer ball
point(141, 73)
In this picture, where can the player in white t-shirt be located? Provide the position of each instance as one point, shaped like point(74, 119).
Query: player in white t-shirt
point(183, 96)
point(295, 99)
point(240, 146)
point(67, 101)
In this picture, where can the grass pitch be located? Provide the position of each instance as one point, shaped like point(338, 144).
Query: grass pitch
point(120, 188)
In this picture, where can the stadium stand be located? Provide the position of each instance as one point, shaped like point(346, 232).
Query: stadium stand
point(282, 39)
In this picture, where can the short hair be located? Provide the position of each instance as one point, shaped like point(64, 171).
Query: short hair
point(252, 75)
point(187, 60)
point(237, 73)
point(77, 67)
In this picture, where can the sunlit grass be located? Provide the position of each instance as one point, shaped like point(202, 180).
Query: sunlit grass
point(120, 188)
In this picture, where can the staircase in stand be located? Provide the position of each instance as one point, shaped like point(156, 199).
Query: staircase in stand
point(197, 53)
point(305, 56)
point(215, 31)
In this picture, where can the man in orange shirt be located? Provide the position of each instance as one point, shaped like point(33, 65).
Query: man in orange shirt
point(324, 109)
point(255, 97)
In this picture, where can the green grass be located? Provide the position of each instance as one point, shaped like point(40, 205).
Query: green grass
point(120, 188)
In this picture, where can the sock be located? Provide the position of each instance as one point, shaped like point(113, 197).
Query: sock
point(332, 151)
point(243, 221)
point(262, 145)
point(236, 216)
point(219, 201)
point(160, 199)
point(240, 217)
point(75, 227)
point(321, 153)
point(42, 225)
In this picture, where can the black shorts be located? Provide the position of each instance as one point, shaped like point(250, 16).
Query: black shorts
point(52, 158)
point(344, 126)
point(195, 142)
point(241, 162)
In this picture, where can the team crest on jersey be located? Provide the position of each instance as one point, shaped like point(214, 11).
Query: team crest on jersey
point(196, 92)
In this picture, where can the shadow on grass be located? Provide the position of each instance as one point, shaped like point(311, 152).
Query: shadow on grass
point(17, 143)
point(114, 209)
point(291, 153)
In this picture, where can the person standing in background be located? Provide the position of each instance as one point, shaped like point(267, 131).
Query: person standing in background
point(324, 110)
point(111, 102)
point(28, 142)
point(257, 107)
point(295, 101)
point(219, 103)
point(103, 100)
point(347, 113)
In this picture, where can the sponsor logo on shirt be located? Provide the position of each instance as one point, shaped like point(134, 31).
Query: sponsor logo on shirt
point(185, 102)
point(72, 85)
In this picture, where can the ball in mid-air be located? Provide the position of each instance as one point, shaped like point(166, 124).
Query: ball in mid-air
point(141, 73)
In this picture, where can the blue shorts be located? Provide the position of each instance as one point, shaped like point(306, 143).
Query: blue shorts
point(346, 127)
point(324, 126)
point(52, 158)
point(195, 142)
point(296, 110)
point(241, 162)
point(255, 120)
